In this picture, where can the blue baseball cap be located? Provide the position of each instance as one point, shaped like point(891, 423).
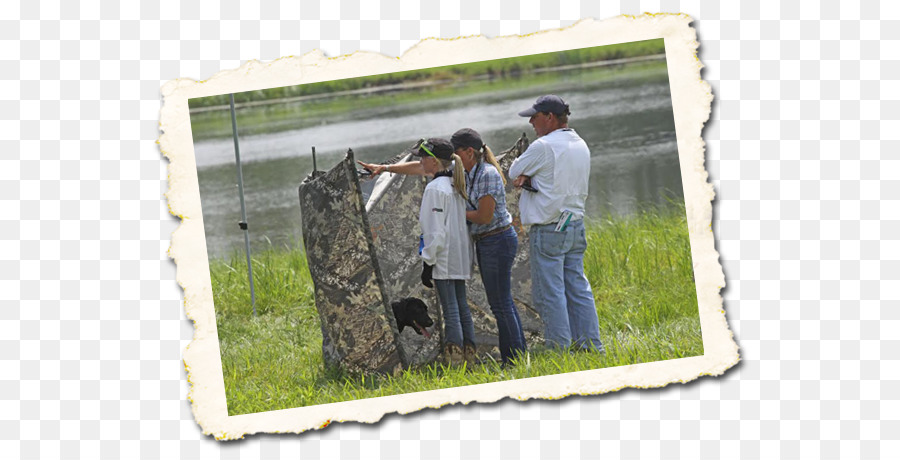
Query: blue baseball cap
point(549, 103)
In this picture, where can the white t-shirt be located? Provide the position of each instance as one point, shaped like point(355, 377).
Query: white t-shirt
point(559, 165)
point(443, 220)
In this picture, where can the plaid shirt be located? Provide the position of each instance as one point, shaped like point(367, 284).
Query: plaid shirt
point(483, 180)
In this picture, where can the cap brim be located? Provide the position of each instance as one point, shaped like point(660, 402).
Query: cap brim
point(528, 112)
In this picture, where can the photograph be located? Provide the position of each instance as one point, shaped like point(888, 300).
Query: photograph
point(451, 229)
point(447, 226)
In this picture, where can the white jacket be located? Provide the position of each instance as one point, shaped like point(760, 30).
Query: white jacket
point(443, 220)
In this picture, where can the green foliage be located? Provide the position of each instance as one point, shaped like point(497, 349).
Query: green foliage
point(641, 271)
point(281, 282)
point(495, 69)
point(639, 267)
point(277, 117)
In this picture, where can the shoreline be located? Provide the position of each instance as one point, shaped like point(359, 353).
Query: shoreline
point(423, 84)
point(277, 115)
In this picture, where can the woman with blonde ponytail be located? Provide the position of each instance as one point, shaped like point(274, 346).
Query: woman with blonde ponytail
point(447, 251)
point(486, 154)
point(459, 174)
point(495, 240)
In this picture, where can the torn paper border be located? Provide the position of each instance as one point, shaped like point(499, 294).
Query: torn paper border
point(691, 102)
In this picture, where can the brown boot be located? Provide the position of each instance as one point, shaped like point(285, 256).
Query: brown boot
point(453, 355)
point(470, 353)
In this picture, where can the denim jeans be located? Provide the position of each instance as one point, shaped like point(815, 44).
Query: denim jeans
point(495, 259)
point(458, 325)
point(560, 291)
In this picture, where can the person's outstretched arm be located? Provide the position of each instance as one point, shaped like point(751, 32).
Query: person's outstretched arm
point(410, 168)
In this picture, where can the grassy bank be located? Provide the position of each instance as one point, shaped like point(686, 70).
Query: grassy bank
point(640, 269)
point(278, 117)
point(508, 68)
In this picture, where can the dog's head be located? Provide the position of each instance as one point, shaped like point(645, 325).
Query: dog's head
point(412, 312)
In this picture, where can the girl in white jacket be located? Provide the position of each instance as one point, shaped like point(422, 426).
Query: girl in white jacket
point(447, 252)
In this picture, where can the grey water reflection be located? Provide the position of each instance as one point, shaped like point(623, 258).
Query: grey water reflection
point(626, 119)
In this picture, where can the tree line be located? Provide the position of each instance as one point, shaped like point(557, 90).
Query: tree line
point(493, 69)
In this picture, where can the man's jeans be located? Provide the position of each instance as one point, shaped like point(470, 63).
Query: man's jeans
point(495, 259)
point(559, 289)
point(458, 326)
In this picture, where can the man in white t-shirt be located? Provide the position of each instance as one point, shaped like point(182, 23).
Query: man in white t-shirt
point(554, 172)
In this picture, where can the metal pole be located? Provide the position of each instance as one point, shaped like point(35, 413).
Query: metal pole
point(314, 158)
point(243, 223)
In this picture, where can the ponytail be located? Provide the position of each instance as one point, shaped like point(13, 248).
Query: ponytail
point(490, 158)
point(459, 176)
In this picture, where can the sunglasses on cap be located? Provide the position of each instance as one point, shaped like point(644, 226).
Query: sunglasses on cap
point(427, 147)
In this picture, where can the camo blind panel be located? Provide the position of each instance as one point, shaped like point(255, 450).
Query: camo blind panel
point(358, 330)
point(395, 228)
point(394, 220)
point(357, 274)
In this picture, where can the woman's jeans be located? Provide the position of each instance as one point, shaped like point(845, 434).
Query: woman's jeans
point(559, 289)
point(495, 259)
point(458, 326)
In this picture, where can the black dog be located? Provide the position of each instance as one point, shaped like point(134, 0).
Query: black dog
point(412, 312)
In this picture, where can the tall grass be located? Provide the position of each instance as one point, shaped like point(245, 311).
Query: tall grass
point(281, 278)
point(642, 275)
point(639, 267)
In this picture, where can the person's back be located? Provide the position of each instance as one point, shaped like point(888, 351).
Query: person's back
point(447, 250)
point(443, 219)
point(572, 169)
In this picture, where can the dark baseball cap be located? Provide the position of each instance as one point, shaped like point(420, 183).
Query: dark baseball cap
point(436, 147)
point(549, 103)
point(466, 137)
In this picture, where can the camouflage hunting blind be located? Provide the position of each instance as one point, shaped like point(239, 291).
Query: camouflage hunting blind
point(363, 255)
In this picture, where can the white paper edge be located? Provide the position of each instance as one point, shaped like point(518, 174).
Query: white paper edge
point(691, 100)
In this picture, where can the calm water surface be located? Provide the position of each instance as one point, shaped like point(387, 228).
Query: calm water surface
point(625, 116)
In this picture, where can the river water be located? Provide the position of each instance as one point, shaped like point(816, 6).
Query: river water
point(624, 114)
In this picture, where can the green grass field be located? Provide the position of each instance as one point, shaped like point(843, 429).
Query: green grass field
point(639, 267)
